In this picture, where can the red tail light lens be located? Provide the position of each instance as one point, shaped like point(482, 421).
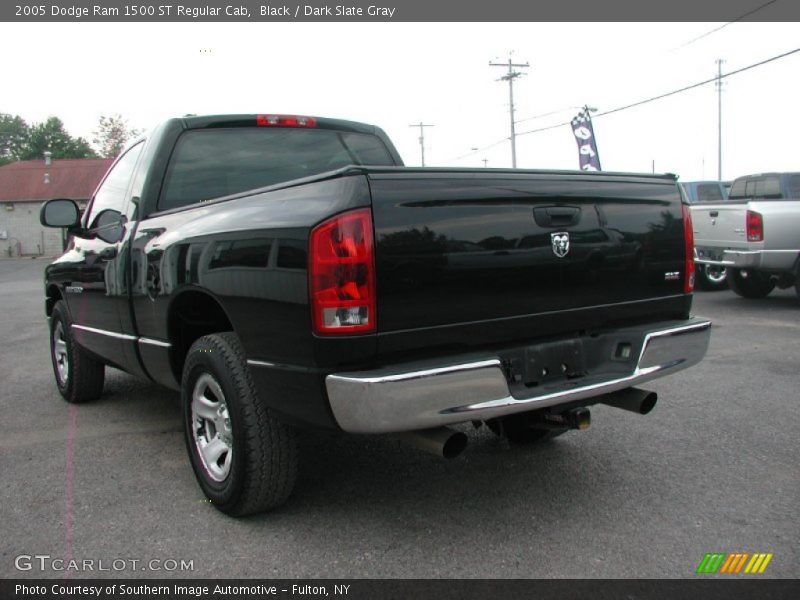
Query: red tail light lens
point(755, 227)
point(285, 121)
point(341, 274)
point(688, 239)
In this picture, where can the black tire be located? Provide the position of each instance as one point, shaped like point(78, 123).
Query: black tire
point(750, 284)
point(79, 377)
point(259, 469)
point(520, 429)
point(711, 278)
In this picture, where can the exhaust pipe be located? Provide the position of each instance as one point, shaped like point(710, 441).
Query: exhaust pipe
point(632, 399)
point(441, 441)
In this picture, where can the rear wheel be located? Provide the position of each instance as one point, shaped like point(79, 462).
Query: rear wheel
point(244, 458)
point(712, 278)
point(79, 377)
point(750, 284)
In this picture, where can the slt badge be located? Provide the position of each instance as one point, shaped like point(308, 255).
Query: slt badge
point(560, 243)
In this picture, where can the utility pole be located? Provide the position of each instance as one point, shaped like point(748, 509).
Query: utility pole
point(485, 162)
point(510, 77)
point(421, 126)
point(719, 118)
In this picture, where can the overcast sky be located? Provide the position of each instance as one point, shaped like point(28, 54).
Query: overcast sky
point(394, 74)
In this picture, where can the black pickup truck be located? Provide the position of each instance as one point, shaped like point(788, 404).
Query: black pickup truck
point(286, 272)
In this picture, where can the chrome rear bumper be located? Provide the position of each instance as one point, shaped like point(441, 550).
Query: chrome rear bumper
point(424, 395)
point(771, 260)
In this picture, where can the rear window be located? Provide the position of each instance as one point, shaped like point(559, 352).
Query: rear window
point(793, 186)
point(768, 186)
point(209, 163)
point(709, 192)
point(737, 189)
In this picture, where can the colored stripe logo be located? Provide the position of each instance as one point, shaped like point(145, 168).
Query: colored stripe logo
point(734, 563)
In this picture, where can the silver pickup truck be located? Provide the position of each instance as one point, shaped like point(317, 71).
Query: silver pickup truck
point(755, 234)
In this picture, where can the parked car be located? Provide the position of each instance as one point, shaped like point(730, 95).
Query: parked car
point(709, 277)
point(288, 272)
point(755, 235)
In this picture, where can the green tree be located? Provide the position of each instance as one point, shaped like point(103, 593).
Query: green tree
point(111, 135)
point(14, 133)
point(51, 136)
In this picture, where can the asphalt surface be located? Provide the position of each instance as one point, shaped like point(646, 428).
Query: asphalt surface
point(714, 468)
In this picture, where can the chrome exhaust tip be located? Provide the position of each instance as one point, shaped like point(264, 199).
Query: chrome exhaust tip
point(441, 441)
point(632, 399)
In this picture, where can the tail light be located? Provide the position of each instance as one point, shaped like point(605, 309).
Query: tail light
point(688, 240)
point(285, 121)
point(341, 274)
point(755, 227)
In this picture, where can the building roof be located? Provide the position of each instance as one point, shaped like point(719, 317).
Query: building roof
point(76, 178)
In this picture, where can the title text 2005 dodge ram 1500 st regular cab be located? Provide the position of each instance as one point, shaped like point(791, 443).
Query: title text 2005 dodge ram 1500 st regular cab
point(286, 272)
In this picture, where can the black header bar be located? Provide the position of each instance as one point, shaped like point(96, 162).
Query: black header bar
point(398, 10)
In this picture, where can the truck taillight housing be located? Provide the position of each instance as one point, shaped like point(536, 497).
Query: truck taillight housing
point(341, 274)
point(285, 121)
point(755, 227)
point(688, 240)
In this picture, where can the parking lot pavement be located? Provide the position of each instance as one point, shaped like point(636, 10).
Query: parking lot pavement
point(714, 468)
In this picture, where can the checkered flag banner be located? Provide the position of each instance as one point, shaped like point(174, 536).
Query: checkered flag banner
point(588, 157)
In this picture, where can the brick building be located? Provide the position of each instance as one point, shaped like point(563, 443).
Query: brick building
point(25, 185)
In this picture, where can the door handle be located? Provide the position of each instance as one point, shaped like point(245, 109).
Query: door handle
point(108, 253)
point(556, 216)
point(713, 213)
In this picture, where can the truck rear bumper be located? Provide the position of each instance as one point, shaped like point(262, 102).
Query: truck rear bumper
point(769, 260)
point(422, 395)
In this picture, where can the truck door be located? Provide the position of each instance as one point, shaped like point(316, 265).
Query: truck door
point(98, 287)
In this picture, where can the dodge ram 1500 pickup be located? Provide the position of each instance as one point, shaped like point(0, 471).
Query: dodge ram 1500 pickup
point(288, 272)
point(754, 235)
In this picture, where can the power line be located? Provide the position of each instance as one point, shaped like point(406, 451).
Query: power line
point(640, 102)
point(673, 92)
point(689, 87)
point(481, 149)
point(736, 20)
point(547, 114)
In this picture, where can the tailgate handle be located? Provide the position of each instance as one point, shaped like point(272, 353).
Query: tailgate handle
point(713, 213)
point(556, 216)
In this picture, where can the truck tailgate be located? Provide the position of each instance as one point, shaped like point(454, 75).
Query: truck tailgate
point(498, 248)
point(719, 225)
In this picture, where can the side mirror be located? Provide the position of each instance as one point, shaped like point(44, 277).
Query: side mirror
point(60, 212)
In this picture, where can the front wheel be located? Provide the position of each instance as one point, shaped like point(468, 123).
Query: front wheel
point(79, 376)
point(712, 278)
point(750, 284)
point(244, 458)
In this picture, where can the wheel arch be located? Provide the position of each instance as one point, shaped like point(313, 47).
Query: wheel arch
point(52, 295)
point(192, 314)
